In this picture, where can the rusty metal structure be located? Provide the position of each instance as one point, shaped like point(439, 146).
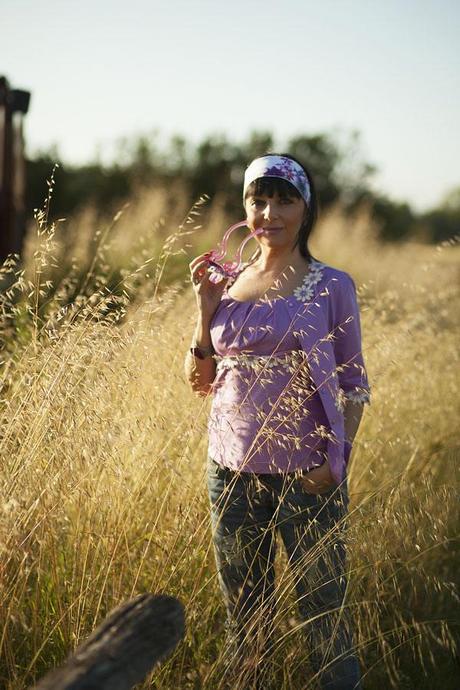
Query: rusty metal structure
point(14, 104)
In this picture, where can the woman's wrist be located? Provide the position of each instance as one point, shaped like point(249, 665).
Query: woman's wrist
point(204, 320)
point(201, 352)
point(202, 335)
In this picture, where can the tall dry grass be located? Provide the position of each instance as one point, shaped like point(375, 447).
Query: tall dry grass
point(103, 448)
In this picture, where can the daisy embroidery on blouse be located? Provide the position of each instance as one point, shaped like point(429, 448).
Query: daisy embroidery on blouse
point(305, 292)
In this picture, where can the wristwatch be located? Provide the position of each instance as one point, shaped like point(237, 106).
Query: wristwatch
point(202, 352)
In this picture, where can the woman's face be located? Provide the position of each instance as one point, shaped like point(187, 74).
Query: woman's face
point(281, 218)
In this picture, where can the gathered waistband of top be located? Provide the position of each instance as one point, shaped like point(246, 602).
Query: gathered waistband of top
point(288, 360)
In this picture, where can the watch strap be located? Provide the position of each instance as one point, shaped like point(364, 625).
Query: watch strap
point(202, 352)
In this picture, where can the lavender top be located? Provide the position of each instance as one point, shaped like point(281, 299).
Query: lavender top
point(284, 369)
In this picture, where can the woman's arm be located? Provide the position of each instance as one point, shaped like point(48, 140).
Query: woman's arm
point(351, 376)
point(351, 371)
point(319, 480)
point(201, 372)
point(352, 413)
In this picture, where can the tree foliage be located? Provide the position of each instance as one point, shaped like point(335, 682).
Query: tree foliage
point(216, 165)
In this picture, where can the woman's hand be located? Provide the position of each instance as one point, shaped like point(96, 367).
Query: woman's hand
point(208, 295)
point(318, 480)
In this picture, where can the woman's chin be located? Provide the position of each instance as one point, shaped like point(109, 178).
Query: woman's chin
point(274, 241)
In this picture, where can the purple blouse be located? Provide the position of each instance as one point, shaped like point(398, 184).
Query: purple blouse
point(279, 362)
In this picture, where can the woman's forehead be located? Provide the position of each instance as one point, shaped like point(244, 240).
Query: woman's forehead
point(269, 186)
point(272, 194)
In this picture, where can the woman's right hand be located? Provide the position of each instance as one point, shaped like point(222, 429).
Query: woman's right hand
point(208, 295)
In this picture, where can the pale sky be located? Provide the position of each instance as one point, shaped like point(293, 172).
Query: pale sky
point(102, 69)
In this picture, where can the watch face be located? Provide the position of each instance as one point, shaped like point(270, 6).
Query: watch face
point(196, 352)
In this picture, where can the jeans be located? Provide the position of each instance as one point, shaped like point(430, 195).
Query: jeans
point(247, 512)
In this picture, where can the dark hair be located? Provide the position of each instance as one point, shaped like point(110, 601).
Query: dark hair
point(271, 185)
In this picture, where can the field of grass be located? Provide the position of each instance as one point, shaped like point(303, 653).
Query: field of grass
point(103, 450)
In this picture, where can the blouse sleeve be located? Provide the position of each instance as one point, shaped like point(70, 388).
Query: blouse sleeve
point(346, 332)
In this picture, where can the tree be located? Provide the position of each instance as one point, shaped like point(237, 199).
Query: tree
point(442, 223)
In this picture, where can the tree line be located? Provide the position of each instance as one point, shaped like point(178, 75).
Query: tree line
point(216, 165)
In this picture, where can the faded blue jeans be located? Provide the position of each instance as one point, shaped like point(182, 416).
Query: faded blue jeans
point(247, 512)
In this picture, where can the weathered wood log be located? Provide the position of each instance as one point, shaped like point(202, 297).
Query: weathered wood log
point(124, 648)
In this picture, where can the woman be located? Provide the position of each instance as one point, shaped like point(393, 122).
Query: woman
point(279, 348)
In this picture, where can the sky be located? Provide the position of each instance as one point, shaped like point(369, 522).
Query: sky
point(100, 70)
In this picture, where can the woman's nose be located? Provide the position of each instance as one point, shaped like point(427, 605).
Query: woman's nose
point(270, 210)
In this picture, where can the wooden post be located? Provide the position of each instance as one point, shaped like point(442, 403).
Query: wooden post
point(124, 648)
point(5, 165)
point(13, 105)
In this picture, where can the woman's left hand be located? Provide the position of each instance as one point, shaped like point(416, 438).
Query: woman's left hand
point(318, 480)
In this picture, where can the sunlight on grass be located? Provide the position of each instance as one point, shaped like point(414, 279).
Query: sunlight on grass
point(103, 447)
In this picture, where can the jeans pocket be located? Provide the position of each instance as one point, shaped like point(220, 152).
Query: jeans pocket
point(328, 506)
point(216, 471)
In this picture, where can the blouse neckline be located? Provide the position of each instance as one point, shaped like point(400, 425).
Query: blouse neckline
point(303, 293)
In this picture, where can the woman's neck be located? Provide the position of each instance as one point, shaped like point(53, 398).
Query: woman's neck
point(270, 261)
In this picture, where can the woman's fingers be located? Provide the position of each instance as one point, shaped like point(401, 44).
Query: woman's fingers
point(311, 486)
point(318, 480)
point(198, 259)
point(198, 267)
point(201, 277)
point(198, 272)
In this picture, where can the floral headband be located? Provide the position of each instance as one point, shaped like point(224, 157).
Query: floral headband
point(278, 166)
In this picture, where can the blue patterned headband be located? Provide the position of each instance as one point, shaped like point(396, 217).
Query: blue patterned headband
point(278, 166)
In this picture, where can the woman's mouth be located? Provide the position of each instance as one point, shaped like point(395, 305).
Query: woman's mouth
point(272, 230)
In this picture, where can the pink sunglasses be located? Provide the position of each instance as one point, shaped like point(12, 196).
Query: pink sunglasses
point(228, 269)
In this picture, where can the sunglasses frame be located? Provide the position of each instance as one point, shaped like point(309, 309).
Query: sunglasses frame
point(228, 269)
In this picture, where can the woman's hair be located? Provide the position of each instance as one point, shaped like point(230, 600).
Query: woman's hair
point(271, 185)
